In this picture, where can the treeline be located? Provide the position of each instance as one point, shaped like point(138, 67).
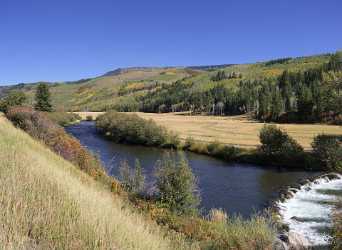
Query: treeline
point(300, 97)
point(313, 95)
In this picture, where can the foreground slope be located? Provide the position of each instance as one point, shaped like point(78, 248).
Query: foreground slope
point(47, 203)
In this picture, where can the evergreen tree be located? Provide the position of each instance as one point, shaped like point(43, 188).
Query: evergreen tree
point(265, 102)
point(304, 103)
point(43, 102)
point(277, 105)
point(286, 90)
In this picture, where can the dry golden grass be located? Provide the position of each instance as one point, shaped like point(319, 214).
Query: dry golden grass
point(237, 131)
point(47, 203)
point(84, 115)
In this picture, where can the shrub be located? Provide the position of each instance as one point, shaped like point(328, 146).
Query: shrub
point(130, 128)
point(214, 148)
point(189, 142)
point(63, 118)
point(132, 181)
point(199, 147)
point(276, 142)
point(176, 185)
point(328, 150)
point(89, 118)
point(38, 125)
point(14, 98)
point(222, 151)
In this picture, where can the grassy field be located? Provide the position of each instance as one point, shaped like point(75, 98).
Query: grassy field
point(47, 203)
point(236, 130)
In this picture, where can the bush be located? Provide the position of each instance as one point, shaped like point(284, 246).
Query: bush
point(38, 125)
point(89, 118)
point(132, 180)
point(222, 151)
point(328, 150)
point(64, 118)
point(176, 185)
point(14, 98)
point(276, 142)
point(132, 129)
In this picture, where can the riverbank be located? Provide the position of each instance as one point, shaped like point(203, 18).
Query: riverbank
point(223, 186)
point(177, 231)
point(282, 151)
point(69, 208)
point(235, 131)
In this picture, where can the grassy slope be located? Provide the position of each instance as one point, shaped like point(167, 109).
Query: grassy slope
point(46, 203)
point(101, 93)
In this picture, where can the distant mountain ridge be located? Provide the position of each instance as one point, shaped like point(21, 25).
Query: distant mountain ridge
point(119, 71)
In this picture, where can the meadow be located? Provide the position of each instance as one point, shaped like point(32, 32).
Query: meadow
point(236, 131)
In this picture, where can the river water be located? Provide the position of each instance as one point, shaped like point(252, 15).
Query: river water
point(236, 188)
point(239, 189)
point(308, 212)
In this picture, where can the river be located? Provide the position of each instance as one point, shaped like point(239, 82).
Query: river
point(239, 189)
point(236, 188)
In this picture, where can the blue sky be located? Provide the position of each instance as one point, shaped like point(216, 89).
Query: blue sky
point(59, 40)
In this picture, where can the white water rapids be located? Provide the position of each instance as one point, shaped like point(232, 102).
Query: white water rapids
point(308, 212)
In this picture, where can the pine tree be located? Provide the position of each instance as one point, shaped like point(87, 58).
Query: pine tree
point(304, 103)
point(43, 102)
point(286, 90)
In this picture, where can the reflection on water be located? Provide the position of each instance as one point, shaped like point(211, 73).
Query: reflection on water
point(237, 188)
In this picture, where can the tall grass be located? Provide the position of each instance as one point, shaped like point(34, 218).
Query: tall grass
point(47, 203)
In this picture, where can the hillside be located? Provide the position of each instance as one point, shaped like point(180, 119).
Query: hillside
point(131, 89)
point(105, 91)
point(46, 203)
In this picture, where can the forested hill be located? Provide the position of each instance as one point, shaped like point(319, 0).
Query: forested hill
point(305, 89)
